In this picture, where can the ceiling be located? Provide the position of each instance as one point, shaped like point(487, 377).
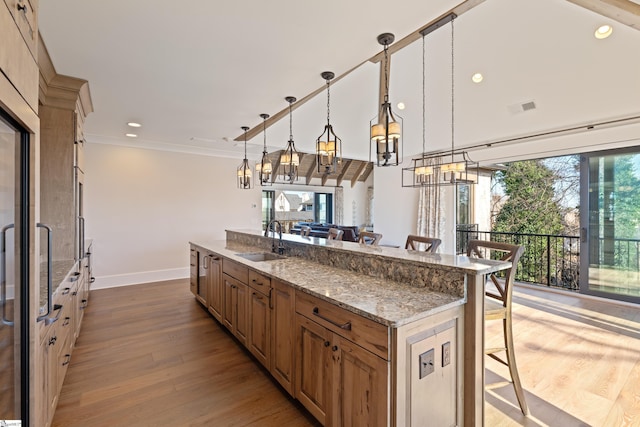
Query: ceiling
point(194, 73)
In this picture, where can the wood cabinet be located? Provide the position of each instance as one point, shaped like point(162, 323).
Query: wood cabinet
point(214, 284)
point(283, 315)
point(338, 381)
point(259, 341)
point(236, 307)
point(193, 270)
point(202, 285)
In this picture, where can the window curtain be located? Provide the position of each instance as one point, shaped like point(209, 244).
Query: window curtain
point(431, 211)
point(338, 196)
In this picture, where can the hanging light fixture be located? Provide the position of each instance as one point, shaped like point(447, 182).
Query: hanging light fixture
point(329, 148)
point(244, 170)
point(264, 168)
point(442, 168)
point(386, 127)
point(290, 158)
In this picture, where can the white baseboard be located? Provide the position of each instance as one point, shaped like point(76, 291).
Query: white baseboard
point(116, 280)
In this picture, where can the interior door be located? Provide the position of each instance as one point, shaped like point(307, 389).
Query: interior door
point(610, 193)
point(14, 313)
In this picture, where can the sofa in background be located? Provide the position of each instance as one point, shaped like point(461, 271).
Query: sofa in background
point(350, 232)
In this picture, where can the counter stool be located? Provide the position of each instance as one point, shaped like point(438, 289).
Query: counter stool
point(498, 303)
point(369, 238)
point(305, 230)
point(431, 243)
point(335, 234)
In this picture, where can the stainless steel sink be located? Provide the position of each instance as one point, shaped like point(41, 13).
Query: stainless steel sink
point(261, 256)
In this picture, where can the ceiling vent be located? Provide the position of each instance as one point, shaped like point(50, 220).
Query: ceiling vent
point(522, 107)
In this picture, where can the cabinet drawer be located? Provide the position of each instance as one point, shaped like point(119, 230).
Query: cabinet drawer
point(236, 270)
point(259, 282)
point(360, 330)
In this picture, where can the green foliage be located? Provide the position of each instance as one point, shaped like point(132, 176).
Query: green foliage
point(627, 198)
point(530, 206)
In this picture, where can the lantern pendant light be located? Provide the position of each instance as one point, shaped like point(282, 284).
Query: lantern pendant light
point(264, 168)
point(328, 145)
point(290, 158)
point(244, 170)
point(386, 127)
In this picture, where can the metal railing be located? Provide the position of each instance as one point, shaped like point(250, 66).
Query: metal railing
point(552, 260)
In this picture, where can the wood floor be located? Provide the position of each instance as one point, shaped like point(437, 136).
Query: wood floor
point(149, 355)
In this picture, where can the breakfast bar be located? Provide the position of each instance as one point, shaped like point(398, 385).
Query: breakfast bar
point(358, 334)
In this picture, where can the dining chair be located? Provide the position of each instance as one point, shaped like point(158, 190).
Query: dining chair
point(335, 234)
point(498, 298)
point(305, 230)
point(430, 243)
point(369, 238)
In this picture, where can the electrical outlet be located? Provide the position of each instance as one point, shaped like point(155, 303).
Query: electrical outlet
point(446, 354)
point(427, 364)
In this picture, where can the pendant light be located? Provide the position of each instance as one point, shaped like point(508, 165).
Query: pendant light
point(244, 170)
point(290, 158)
point(386, 127)
point(264, 168)
point(442, 168)
point(328, 145)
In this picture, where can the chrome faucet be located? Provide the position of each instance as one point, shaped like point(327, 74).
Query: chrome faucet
point(280, 247)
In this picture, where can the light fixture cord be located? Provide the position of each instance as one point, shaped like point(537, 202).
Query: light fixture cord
point(290, 122)
point(424, 108)
point(328, 103)
point(264, 133)
point(386, 73)
point(452, 91)
point(245, 145)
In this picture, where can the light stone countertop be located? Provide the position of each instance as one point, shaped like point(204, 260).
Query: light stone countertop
point(387, 302)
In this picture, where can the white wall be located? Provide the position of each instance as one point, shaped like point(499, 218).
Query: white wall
point(355, 201)
point(143, 206)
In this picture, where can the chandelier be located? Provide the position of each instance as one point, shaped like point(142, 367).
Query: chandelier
point(386, 127)
point(443, 168)
point(290, 158)
point(244, 170)
point(264, 168)
point(329, 148)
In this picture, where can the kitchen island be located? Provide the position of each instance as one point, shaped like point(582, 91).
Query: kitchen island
point(360, 335)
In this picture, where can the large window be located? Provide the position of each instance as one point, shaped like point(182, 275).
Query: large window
point(291, 207)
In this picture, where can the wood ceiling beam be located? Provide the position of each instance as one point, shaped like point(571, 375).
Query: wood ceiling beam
point(325, 177)
point(345, 168)
point(367, 172)
point(361, 167)
point(623, 11)
point(458, 10)
point(276, 167)
point(311, 169)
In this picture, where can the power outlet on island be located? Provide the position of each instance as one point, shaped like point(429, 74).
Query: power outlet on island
point(427, 365)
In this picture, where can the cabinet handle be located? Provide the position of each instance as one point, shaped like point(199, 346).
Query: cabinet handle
point(256, 282)
point(53, 340)
point(49, 276)
point(66, 321)
point(66, 362)
point(3, 278)
point(345, 326)
point(66, 291)
point(49, 320)
point(270, 301)
point(84, 304)
point(327, 343)
point(75, 277)
point(257, 296)
point(22, 7)
point(334, 348)
point(93, 279)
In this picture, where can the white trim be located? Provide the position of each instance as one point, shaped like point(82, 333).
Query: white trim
point(564, 292)
point(116, 280)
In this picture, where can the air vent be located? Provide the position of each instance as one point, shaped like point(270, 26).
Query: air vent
point(522, 107)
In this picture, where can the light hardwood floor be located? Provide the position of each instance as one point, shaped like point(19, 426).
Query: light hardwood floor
point(149, 355)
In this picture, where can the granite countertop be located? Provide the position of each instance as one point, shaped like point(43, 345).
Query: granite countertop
point(390, 303)
point(59, 270)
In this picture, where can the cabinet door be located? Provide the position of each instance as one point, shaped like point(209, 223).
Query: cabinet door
point(241, 330)
point(193, 271)
point(359, 386)
point(215, 288)
point(260, 327)
point(202, 285)
point(282, 334)
point(313, 367)
point(229, 308)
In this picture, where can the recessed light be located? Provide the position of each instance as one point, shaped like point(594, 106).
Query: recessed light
point(401, 106)
point(603, 32)
point(134, 124)
point(477, 78)
point(131, 135)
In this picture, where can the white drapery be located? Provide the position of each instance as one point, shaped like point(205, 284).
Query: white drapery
point(431, 212)
point(338, 197)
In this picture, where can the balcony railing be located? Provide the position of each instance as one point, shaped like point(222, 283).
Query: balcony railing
point(552, 260)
